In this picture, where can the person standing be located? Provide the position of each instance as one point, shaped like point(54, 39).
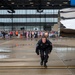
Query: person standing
point(44, 48)
point(4, 34)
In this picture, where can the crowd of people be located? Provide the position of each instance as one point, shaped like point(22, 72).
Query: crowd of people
point(27, 34)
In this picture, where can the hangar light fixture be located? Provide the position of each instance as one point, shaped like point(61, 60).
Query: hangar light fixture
point(31, 3)
point(48, 2)
point(12, 3)
point(2, 6)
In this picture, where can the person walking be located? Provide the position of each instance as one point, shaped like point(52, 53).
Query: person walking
point(44, 48)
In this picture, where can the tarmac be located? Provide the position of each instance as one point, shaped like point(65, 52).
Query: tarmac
point(18, 57)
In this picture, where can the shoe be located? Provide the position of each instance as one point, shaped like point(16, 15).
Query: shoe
point(41, 63)
point(45, 65)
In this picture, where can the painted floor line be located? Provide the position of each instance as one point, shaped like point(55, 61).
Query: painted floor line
point(39, 67)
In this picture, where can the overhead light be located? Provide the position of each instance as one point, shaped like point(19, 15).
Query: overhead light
point(30, 0)
point(9, 0)
point(47, 5)
point(48, 2)
point(12, 2)
point(31, 3)
point(65, 2)
point(11, 11)
point(23, 5)
point(52, 4)
point(2, 6)
point(17, 5)
point(60, 4)
point(40, 10)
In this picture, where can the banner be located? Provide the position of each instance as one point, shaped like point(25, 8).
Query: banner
point(72, 2)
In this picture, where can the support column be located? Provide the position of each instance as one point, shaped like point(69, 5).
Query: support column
point(12, 21)
point(59, 23)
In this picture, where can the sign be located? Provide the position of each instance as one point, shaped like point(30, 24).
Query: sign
point(72, 2)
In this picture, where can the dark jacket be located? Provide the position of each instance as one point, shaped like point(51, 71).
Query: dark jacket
point(43, 46)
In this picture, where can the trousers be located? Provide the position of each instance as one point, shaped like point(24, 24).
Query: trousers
point(44, 55)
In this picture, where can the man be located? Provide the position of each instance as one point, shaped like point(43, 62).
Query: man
point(4, 34)
point(44, 47)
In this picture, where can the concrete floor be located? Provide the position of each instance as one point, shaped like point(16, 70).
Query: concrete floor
point(18, 57)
